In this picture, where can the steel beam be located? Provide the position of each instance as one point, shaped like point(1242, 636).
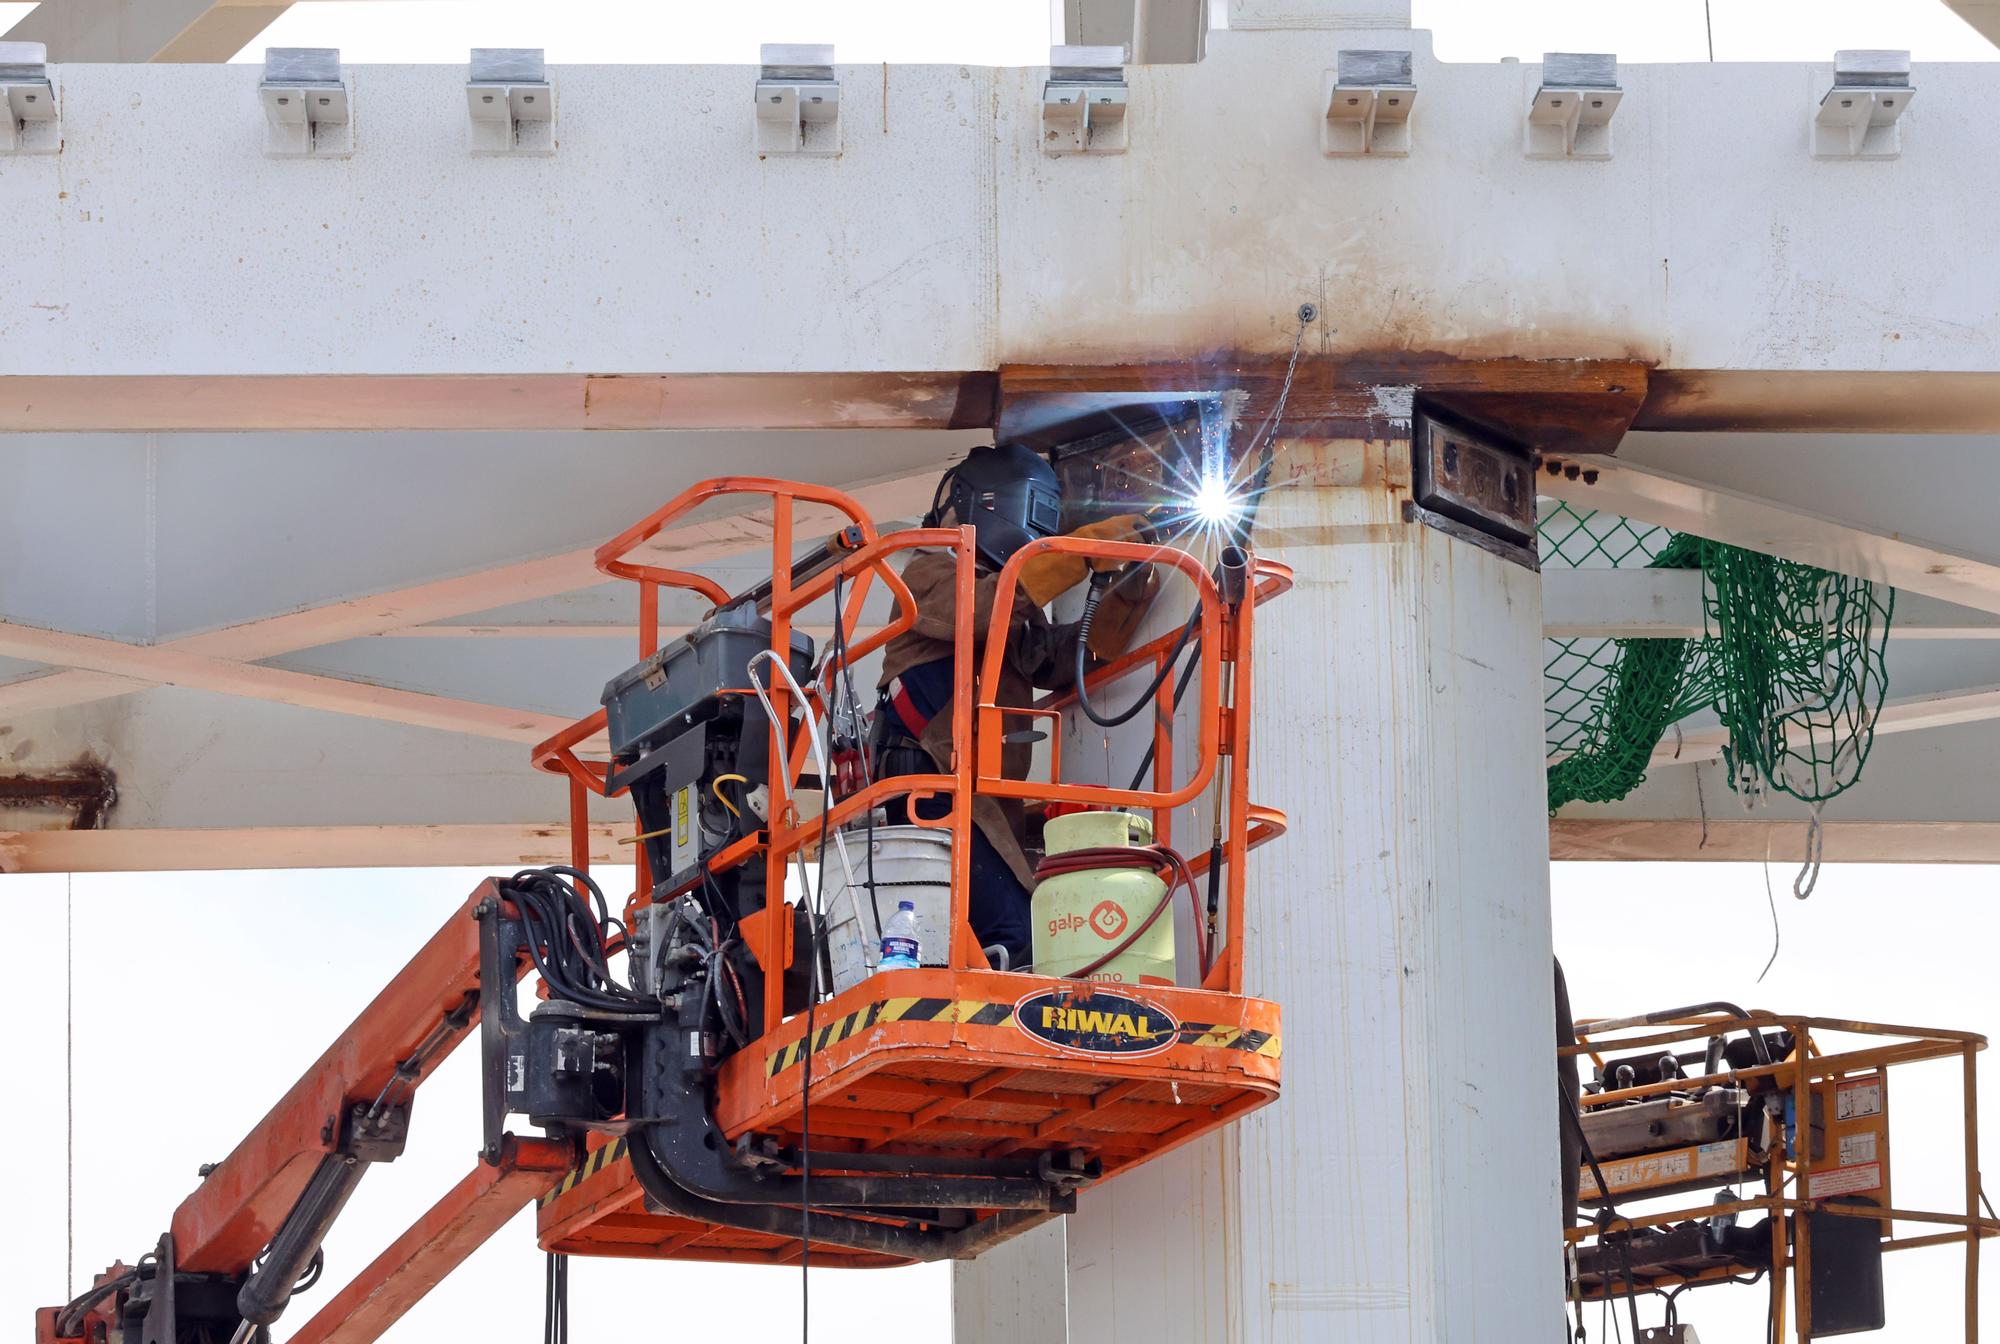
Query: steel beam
point(1667, 604)
point(146, 30)
point(1652, 495)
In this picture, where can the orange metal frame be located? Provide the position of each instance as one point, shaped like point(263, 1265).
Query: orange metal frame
point(1791, 1250)
point(1223, 730)
point(958, 1080)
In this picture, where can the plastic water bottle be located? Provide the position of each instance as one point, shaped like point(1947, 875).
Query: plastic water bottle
point(899, 939)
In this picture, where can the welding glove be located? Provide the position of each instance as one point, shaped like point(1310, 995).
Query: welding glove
point(1120, 610)
point(1046, 576)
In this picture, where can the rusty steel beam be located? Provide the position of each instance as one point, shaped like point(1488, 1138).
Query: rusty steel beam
point(232, 1215)
point(1554, 405)
point(438, 1243)
point(86, 791)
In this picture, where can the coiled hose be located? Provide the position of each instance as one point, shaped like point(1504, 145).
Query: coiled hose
point(1162, 861)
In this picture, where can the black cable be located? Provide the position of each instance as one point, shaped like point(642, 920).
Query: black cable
point(1180, 689)
point(1098, 583)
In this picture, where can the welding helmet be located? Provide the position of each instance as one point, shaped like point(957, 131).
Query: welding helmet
point(1008, 493)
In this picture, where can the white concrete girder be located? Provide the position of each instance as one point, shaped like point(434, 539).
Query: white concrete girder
point(960, 249)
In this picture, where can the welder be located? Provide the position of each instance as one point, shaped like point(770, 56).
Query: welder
point(1011, 496)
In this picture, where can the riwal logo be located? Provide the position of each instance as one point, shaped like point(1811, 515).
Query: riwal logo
point(1097, 1022)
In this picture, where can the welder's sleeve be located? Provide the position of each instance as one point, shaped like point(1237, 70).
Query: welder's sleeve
point(933, 583)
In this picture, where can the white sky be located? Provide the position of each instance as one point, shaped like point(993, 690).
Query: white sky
point(201, 997)
point(1016, 32)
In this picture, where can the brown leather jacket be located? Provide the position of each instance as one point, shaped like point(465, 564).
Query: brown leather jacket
point(1039, 654)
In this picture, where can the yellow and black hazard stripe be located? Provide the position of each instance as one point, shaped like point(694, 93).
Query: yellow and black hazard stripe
point(975, 1012)
point(979, 1013)
point(599, 1159)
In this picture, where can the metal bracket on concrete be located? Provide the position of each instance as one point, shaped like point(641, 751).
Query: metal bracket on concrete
point(31, 121)
point(1475, 486)
point(1860, 116)
point(1369, 95)
point(1083, 102)
point(511, 102)
point(308, 107)
point(1570, 117)
point(798, 100)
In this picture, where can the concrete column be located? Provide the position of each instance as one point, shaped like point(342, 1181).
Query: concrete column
point(1404, 1186)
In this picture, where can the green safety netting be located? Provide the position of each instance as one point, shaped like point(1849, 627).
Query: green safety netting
point(1790, 662)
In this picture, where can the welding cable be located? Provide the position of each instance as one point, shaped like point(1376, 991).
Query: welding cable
point(1162, 861)
point(1098, 584)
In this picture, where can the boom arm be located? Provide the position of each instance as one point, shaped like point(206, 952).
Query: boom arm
point(344, 1112)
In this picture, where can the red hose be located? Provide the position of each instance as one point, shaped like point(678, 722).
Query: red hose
point(1165, 863)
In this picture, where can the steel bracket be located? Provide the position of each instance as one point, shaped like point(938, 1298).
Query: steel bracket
point(798, 101)
point(1570, 115)
point(510, 103)
point(1084, 100)
point(1860, 117)
point(1368, 97)
point(308, 104)
point(31, 121)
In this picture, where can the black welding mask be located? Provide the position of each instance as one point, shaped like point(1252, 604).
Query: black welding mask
point(1008, 493)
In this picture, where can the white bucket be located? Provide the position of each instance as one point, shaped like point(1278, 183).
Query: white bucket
point(911, 863)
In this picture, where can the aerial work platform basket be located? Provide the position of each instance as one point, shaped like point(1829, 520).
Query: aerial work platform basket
point(956, 1070)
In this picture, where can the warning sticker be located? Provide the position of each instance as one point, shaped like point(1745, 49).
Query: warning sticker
point(681, 849)
point(1847, 1180)
point(1858, 1097)
point(1857, 1148)
point(1639, 1172)
point(1716, 1159)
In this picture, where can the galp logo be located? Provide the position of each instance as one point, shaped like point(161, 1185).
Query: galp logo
point(1108, 920)
point(1097, 1022)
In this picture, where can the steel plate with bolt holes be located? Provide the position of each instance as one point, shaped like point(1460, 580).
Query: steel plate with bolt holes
point(1483, 483)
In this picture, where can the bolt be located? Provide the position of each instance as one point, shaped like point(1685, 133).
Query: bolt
point(1555, 467)
point(1308, 313)
point(326, 1132)
point(206, 1167)
point(1590, 477)
point(1572, 471)
point(351, 1161)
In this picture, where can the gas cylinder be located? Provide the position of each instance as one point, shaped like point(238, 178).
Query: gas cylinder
point(1082, 915)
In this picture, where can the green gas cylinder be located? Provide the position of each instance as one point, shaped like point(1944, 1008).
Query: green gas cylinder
point(1080, 916)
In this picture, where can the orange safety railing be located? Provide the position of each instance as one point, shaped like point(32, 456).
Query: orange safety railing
point(1808, 1066)
point(1223, 728)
